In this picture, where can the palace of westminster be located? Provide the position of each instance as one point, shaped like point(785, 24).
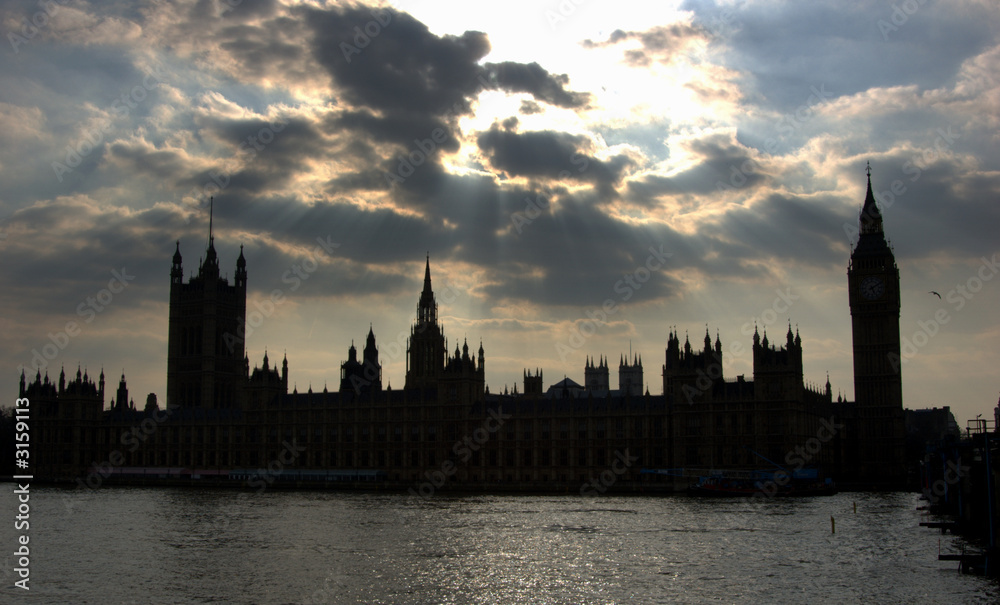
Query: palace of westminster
point(224, 420)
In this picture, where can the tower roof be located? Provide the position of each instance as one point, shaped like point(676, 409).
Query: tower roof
point(872, 238)
point(211, 258)
point(871, 217)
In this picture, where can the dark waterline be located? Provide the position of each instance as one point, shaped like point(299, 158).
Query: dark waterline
point(146, 545)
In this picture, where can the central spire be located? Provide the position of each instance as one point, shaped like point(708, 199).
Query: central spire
point(210, 256)
point(427, 276)
point(427, 307)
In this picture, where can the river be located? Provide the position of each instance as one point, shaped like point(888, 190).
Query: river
point(147, 545)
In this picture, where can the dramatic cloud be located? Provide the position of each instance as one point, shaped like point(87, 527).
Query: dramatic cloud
point(660, 43)
point(550, 155)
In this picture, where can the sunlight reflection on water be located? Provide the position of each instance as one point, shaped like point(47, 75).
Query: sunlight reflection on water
point(135, 545)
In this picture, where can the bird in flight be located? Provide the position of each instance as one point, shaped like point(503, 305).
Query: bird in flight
point(934, 293)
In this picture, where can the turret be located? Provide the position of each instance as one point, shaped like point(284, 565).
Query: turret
point(370, 350)
point(121, 398)
point(595, 375)
point(630, 376)
point(284, 372)
point(532, 382)
point(241, 270)
point(176, 270)
point(372, 369)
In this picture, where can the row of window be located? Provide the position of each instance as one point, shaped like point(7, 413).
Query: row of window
point(361, 433)
point(582, 457)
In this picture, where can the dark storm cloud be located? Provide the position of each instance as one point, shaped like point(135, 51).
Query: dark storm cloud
point(363, 180)
point(270, 268)
point(84, 244)
point(284, 141)
point(358, 242)
point(400, 85)
point(392, 128)
point(403, 68)
point(551, 155)
point(404, 81)
point(661, 43)
point(799, 230)
point(159, 164)
point(260, 50)
point(530, 107)
point(583, 253)
point(99, 74)
point(269, 154)
point(246, 9)
point(378, 236)
point(533, 79)
point(723, 166)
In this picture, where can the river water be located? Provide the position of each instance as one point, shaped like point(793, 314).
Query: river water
point(144, 545)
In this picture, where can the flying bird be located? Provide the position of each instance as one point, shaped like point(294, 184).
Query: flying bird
point(934, 293)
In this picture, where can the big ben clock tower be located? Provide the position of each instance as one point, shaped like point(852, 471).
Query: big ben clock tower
point(873, 286)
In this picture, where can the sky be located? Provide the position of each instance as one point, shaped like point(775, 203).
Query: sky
point(585, 177)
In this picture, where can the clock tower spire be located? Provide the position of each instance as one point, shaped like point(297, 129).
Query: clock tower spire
point(871, 217)
point(873, 290)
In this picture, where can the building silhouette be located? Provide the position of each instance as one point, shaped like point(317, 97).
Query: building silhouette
point(223, 420)
point(595, 377)
point(630, 375)
point(873, 286)
point(206, 362)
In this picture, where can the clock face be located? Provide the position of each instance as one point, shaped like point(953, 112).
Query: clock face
point(872, 288)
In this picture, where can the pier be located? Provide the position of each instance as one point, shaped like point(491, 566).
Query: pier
point(960, 482)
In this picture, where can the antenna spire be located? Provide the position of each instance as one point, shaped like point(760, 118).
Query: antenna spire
point(211, 203)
